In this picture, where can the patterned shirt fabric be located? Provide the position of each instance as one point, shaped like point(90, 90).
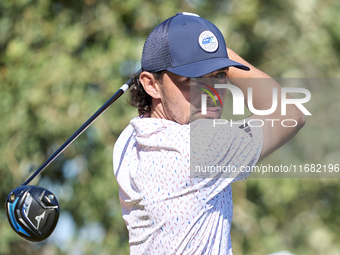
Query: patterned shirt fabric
point(167, 209)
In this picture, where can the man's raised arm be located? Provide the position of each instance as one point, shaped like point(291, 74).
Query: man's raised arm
point(275, 134)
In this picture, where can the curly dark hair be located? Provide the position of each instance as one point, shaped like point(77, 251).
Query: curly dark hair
point(138, 97)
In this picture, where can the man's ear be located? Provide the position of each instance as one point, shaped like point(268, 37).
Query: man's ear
point(150, 84)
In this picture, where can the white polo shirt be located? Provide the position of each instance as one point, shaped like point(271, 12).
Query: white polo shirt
point(166, 208)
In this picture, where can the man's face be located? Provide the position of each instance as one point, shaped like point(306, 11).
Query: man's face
point(180, 105)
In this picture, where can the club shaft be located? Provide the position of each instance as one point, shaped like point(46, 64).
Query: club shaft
point(100, 111)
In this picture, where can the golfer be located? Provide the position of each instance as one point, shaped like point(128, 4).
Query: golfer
point(166, 209)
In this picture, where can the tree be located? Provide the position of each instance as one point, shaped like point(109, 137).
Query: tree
point(61, 60)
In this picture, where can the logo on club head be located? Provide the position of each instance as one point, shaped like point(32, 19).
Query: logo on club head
point(27, 204)
point(38, 218)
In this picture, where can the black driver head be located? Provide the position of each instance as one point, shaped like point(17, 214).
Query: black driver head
point(32, 212)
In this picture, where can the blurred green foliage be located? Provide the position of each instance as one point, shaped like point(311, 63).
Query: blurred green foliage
point(61, 60)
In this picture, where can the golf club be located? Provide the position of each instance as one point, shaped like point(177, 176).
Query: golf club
point(33, 211)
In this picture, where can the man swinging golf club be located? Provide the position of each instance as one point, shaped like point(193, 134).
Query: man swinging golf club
point(166, 210)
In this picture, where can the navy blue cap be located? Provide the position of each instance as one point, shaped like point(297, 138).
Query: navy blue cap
point(187, 45)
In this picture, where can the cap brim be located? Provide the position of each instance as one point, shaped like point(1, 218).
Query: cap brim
point(204, 67)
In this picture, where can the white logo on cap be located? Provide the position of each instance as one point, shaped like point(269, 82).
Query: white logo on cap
point(208, 41)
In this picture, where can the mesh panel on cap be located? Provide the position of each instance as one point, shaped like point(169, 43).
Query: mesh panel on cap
point(156, 53)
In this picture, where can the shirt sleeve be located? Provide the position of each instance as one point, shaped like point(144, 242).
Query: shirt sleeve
point(227, 150)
